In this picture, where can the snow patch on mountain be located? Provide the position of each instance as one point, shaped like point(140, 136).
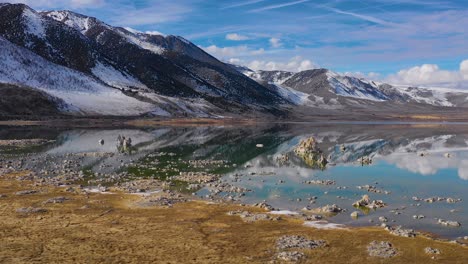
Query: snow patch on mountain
point(427, 96)
point(140, 40)
point(33, 23)
point(353, 87)
point(80, 92)
point(115, 78)
point(72, 20)
point(293, 96)
point(152, 33)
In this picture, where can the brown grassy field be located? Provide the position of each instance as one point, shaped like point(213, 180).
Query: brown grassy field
point(110, 228)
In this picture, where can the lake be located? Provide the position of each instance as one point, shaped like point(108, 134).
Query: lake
point(405, 165)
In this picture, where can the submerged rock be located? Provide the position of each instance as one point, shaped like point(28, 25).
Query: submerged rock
point(418, 216)
point(355, 214)
point(320, 182)
point(448, 223)
point(381, 249)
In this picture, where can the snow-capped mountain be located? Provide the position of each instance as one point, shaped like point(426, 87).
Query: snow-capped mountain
point(322, 87)
point(98, 69)
point(81, 65)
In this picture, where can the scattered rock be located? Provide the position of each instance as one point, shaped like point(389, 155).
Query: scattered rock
point(373, 189)
point(30, 210)
point(26, 192)
point(264, 205)
point(312, 217)
point(287, 242)
point(320, 182)
point(56, 200)
point(290, 256)
point(327, 209)
point(400, 231)
point(432, 251)
point(253, 217)
point(381, 249)
point(355, 214)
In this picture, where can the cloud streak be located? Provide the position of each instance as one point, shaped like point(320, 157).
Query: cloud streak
point(363, 17)
point(270, 7)
point(246, 3)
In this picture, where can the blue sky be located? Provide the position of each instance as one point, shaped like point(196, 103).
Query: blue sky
point(420, 41)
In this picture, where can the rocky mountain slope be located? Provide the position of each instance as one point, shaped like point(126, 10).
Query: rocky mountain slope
point(98, 69)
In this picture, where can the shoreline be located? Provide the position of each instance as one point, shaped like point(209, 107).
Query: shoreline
point(188, 122)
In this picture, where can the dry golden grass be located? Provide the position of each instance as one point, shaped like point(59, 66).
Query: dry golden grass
point(107, 228)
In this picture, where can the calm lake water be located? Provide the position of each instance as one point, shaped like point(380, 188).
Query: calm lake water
point(395, 149)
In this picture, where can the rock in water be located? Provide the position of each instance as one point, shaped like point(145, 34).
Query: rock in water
point(448, 223)
point(101, 142)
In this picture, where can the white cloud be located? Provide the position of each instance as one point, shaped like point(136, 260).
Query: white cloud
point(275, 42)
point(369, 75)
point(464, 69)
point(431, 74)
point(296, 64)
point(236, 37)
point(229, 52)
point(235, 61)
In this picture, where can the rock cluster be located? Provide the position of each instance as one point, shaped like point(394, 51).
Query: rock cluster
point(253, 217)
point(320, 182)
point(373, 189)
point(400, 231)
point(290, 256)
point(287, 242)
point(366, 202)
point(196, 177)
point(432, 251)
point(448, 223)
point(381, 249)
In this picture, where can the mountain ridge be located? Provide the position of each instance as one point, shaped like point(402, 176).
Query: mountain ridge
point(93, 68)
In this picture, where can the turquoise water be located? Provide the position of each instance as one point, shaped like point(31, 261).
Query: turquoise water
point(395, 149)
